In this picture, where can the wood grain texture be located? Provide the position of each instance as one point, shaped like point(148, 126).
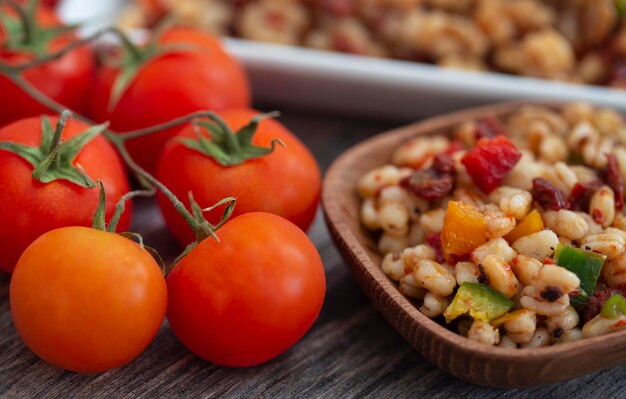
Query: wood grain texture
point(466, 359)
point(351, 351)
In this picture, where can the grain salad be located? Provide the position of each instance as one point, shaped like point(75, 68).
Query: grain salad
point(580, 41)
point(511, 230)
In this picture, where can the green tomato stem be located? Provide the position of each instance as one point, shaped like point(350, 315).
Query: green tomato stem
point(55, 146)
point(99, 222)
point(133, 49)
point(181, 120)
point(121, 206)
point(230, 140)
point(119, 144)
point(37, 95)
point(57, 54)
point(122, 37)
point(25, 19)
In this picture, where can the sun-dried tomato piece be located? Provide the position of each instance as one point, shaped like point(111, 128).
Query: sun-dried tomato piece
point(548, 196)
point(429, 184)
point(435, 182)
point(614, 180)
point(444, 164)
point(595, 303)
point(581, 194)
point(490, 161)
point(434, 241)
point(489, 127)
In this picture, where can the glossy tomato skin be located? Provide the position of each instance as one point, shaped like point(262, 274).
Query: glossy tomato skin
point(286, 182)
point(66, 80)
point(29, 208)
point(87, 300)
point(204, 77)
point(249, 297)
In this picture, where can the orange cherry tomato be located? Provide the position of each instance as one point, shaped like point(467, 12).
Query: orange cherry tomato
point(87, 300)
point(248, 297)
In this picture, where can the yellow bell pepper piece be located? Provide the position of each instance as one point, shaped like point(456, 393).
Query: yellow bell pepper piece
point(464, 229)
point(531, 223)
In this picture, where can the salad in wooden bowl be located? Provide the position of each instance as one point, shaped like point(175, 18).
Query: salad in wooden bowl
point(493, 239)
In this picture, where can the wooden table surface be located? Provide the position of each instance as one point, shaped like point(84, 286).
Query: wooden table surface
point(350, 351)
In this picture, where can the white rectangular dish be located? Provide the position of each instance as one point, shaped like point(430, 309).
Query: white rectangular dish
point(285, 77)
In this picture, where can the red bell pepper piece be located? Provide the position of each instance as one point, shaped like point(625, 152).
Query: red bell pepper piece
point(490, 161)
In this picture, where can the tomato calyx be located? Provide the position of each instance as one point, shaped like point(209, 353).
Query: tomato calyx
point(134, 57)
point(99, 222)
point(24, 34)
point(54, 158)
point(204, 229)
point(99, 219)
point(226, 147)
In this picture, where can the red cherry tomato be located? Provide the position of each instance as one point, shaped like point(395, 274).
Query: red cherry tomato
point(87, 300)
point(29, 208)
point(285, 182)
point(249, 297)
point(200, 77)
point(66, 80)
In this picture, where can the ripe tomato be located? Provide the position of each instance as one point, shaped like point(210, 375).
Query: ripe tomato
point(285, 182)
point(87, 300)
point(29, 208)
point(200, 77)
point(247, 298)
point(66, 80)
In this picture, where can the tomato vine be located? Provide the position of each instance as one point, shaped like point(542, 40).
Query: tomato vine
point(194, 217)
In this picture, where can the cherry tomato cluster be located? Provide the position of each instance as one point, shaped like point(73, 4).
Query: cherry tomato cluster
point(87, 299)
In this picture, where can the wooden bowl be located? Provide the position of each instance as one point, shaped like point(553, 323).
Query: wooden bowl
point(453, 353)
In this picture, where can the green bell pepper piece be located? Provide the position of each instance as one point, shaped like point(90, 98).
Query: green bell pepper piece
point(614, 307)
point(580, 299)
point(480, 301)
point(586, 265)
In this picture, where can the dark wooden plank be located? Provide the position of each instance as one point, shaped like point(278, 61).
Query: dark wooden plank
point(351, 351)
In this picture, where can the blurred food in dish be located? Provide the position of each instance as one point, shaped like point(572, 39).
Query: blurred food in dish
point(582, 41)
